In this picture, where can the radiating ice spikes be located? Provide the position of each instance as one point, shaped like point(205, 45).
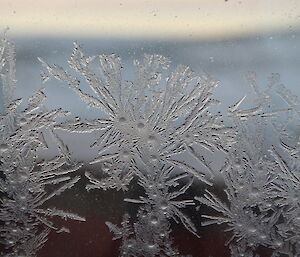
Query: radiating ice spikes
point(147, 111)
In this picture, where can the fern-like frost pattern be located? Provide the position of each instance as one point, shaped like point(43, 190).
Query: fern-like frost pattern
point(24, 177)
point(162, 132)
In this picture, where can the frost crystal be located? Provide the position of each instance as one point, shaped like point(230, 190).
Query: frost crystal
point(24, 178)
point(7, 69)
point(159, 115)
point(160, 132)
point(146, 125)
point(262, 187)
point(149, 235)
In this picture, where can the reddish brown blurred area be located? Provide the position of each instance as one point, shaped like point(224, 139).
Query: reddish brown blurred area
point(93, 239)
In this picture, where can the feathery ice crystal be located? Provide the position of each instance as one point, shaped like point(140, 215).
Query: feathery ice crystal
point(150, 131)
point(25, 224)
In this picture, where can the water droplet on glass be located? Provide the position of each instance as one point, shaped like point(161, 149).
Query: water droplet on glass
point(22, 121)
point(252, 230)
point(122, 119)
point(140, 125)
point(3, 147)
point(154, 221)
point(164, 205)
point(151, 246)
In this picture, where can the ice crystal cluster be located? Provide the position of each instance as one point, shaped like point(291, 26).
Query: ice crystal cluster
point(25, 224)
point(261, 180)
point(160, 131)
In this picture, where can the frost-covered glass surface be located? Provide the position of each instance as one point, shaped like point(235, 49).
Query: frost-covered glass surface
point(173, 132)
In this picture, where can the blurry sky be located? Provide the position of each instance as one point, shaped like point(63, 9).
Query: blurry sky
point(149, 19)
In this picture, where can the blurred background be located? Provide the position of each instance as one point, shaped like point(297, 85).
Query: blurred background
point(225, 38)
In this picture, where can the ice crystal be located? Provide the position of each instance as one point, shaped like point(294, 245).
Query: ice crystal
point(148, 236)
point(145, 125)
point(287, 196)
point(25, 177)
point(159, 115)
point(151, 130)
point(7, 69)
point(162, 187)
point(261, 188)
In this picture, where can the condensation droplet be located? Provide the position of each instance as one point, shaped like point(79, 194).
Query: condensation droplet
point(154, 220)
point(122, 119)
point(3, 147)
point(22, 121)
point(140, 125)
